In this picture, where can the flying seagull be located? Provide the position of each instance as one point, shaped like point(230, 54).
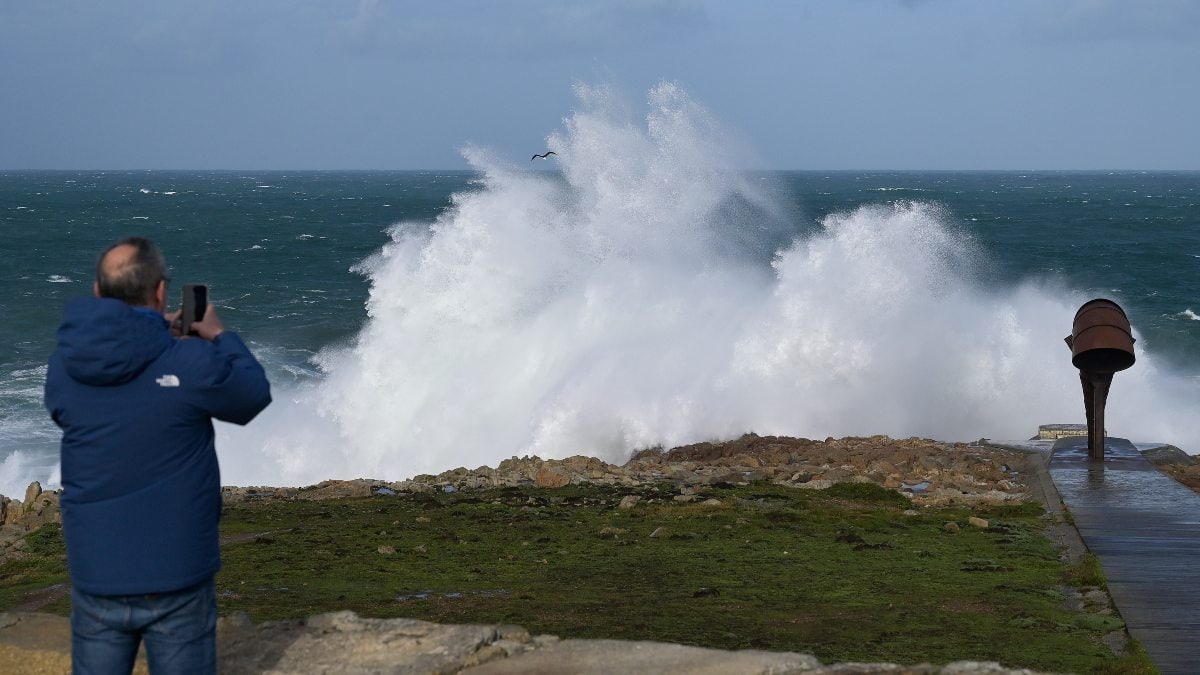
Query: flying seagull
point(544, 155)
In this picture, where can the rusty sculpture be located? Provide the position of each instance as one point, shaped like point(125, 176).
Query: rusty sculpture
point(1101, 343)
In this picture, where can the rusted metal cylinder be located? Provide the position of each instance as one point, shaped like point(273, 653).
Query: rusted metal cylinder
point(1102, 341)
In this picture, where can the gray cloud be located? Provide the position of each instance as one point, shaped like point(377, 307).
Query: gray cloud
point(1116, 20)
point(458, 29)
point(379, 84)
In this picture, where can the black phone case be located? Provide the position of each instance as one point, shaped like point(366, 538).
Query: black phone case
point(195, 302)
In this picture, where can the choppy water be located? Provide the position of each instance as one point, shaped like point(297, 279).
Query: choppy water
point(645, 292)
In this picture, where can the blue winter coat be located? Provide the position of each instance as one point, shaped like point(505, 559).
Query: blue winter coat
point(141, 488)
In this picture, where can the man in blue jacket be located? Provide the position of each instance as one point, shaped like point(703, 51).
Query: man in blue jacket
point(141, 488)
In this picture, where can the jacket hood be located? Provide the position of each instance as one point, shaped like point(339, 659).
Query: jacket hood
point(103, 341)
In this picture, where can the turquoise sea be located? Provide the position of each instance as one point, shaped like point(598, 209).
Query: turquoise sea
point(419, 321)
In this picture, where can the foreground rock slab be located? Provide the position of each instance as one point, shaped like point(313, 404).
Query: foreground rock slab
point(602, 657)
point(343, 643)
point(346, 644)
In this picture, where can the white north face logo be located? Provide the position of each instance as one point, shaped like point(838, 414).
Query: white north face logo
point(168, 381)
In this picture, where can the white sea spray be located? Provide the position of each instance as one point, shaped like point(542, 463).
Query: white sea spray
point(618, 306)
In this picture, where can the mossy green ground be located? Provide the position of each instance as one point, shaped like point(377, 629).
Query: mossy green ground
point(840, 573)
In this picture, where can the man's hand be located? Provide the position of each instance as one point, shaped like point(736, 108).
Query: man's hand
point(174, 322)
point(211, 326)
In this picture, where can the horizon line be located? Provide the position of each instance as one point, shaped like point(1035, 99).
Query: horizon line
point(470, 170)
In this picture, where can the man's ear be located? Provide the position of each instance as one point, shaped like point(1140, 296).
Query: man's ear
point(160, 294)
point(96, 288)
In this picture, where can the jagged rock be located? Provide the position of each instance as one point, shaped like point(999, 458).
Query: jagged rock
point(31, 493)
point(411, 486)
point(339, 489)
point(551, 478)
point(19, 518)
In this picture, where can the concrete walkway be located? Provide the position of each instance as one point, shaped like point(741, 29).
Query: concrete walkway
point(1144, 527)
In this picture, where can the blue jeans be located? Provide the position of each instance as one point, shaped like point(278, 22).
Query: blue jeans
point(179, 629)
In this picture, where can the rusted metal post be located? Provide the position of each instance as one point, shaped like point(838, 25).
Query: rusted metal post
point(1101, 344)
point(1095, 396)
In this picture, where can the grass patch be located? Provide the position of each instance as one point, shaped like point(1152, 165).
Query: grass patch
point(1087, 572)
point(840, 573)
point(43, 564)
point(868, 492)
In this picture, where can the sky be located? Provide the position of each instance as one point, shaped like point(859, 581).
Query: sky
point(816, 84)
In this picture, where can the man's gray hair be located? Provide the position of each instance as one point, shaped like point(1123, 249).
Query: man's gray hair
point(135, 281)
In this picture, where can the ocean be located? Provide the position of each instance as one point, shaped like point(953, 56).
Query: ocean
point(636, 291)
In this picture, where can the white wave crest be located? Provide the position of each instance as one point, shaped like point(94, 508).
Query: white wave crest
point(619, 307)
point(19, 468)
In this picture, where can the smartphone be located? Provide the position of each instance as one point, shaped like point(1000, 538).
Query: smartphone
point(195, 301)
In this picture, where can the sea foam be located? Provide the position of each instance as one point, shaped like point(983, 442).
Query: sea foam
point(654, 294)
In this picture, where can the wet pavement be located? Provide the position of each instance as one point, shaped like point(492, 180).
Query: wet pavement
point(1145, 529)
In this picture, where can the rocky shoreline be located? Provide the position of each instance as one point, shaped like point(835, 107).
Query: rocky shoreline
point(931, 473)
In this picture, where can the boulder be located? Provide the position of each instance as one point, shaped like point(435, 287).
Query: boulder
point(31, 493)
point(548, 477)
point(44, 509)
point(340, 489)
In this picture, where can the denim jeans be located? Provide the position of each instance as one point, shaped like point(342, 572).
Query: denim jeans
point(179, 629)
